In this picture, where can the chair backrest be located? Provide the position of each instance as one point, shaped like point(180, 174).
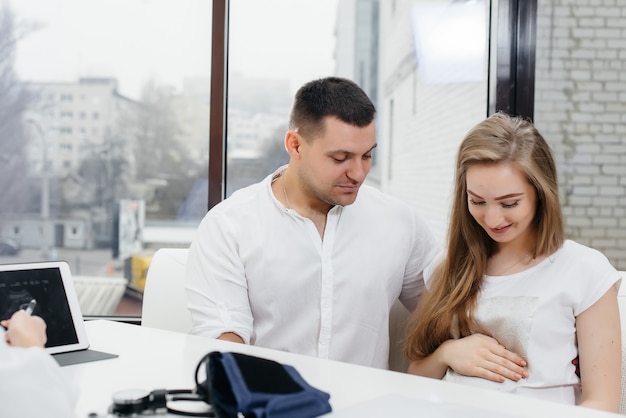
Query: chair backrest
point(164, 300)
point(621, 299)
point(398, 320)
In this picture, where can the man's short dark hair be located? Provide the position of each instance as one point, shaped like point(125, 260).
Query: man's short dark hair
point(330, 96)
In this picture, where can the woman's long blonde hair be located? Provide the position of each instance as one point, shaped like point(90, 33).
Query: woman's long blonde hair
point(454, 286)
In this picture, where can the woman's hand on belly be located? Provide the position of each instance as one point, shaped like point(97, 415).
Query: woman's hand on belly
point(482, 356)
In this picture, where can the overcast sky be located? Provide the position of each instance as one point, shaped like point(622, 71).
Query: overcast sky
point(133, 40)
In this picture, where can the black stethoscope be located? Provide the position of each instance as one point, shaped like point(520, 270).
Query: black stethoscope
point(133, 402)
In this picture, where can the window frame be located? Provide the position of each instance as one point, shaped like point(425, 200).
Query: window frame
point(514, 77)
point(515, 57)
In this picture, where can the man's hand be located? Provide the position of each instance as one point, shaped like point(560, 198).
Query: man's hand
point(25, 331)
point(482, 356)
point(230, 336)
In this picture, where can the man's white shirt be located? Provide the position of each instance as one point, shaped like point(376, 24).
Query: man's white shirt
point(262, 271)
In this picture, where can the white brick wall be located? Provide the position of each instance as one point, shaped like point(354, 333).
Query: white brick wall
point(580, 107)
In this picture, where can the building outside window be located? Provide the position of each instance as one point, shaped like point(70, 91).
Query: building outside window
point(70, 183)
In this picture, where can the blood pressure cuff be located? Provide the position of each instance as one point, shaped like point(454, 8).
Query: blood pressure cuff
point(260, 388)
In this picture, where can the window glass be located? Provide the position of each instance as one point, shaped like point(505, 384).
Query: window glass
point(104, 134)
point(272, 51)
point(432, 75)
point(423, 63)
point(579, 107)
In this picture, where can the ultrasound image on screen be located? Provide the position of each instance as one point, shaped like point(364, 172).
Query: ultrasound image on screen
point(45, 285)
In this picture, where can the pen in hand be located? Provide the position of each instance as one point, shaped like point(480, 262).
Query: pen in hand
point(28, 309)
point(25, 330)
point(31, 306)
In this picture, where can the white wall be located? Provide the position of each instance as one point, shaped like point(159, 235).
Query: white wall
point(421, 123)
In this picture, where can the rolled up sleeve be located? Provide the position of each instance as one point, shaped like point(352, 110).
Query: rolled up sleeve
point(216, 285)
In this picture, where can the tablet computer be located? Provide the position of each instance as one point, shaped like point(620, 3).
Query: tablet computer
point(50, 284)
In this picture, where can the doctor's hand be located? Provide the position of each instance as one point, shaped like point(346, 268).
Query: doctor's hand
point(25, 331)
point(482, 356)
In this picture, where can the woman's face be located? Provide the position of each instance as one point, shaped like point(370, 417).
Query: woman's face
point(502, 201)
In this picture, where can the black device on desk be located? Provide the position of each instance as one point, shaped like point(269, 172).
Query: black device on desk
point(160, 402)
point(50, 284)
point(139, 402)
point(234, 385)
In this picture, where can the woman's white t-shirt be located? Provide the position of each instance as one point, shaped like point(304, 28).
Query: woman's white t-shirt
point(533, 313)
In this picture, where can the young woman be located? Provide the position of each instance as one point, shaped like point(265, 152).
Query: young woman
point(512, 301)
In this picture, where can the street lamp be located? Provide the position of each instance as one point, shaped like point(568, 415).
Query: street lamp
point(45, 192)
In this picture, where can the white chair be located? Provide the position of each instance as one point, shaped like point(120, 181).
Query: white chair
point(621, 299)
point(398, 320)
point(164, 299)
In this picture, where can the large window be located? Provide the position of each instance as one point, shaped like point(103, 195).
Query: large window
point(433, 86)
point(109, 141)
point(272, 52)
point(107, 151)
point(423, 63)
point(104, 130)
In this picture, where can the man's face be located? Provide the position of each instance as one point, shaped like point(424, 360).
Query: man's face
point(334, 164)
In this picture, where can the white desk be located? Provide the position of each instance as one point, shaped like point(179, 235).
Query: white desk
point(155, 359)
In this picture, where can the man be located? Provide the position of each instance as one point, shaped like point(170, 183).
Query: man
point(310, 260)
point(32, 384)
